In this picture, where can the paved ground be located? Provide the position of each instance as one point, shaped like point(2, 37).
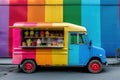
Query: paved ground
point(9, 72)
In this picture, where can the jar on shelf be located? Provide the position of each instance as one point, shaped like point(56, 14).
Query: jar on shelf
point(54, 43)
point(31, 33)
point(61, 35)
point(60, 42)
point(36, 33)
point(47, 33)
point(38, 42)
point(29, 41)
point(49, 44)
point(23, 44)
point(51, 34)
point(57, 35)
point(48, 41)
point(34, 43)
point(26, 33)
point(41, 33)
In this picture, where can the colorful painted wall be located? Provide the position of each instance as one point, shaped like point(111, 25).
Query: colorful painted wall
point(100, 17)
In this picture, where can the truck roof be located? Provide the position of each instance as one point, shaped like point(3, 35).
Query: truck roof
point(70, 26)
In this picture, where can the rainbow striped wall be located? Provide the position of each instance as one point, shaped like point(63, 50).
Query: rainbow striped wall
point(100, 17)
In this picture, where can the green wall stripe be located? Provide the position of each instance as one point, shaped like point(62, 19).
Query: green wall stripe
point(72, 13)
point(72, 1)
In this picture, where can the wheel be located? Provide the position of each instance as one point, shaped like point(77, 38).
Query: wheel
point(28, 66)
point(95, 66)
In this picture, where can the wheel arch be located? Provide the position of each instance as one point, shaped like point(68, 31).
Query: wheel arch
point(28, 59)
point(94, 58)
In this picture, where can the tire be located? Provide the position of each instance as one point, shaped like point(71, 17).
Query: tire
point(94, 66)
point(28, 66)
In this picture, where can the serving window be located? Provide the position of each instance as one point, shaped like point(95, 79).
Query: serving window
point(42, 38)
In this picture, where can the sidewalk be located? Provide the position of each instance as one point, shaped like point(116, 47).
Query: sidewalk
point(110, 61)
point(5, 61)
point(113, 61)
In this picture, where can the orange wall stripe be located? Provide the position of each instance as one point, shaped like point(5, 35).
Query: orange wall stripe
point(44, 56)
point(36, 12)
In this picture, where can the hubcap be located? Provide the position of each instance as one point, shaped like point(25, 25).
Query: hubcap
point(28, 67)
point(95, 67)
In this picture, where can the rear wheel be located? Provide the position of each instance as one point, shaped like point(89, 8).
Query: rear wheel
point(95, 66)
point(28, 66)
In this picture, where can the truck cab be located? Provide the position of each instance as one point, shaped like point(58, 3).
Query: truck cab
point(83, 53)
point(54, 44)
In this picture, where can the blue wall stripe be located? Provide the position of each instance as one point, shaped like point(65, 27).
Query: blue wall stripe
point(91, 20)
point(109, 2)
point(93, 2)
point(110, 32)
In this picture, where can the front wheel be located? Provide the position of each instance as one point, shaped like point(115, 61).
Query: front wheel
point(95, 66)
point(28, 66)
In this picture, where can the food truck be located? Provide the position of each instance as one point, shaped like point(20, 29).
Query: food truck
point(54, 44)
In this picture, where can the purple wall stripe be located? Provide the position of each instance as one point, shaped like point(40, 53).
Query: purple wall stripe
point(4, 23)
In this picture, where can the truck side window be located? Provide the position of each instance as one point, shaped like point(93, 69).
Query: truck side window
point(73, 38)
point(81, 39)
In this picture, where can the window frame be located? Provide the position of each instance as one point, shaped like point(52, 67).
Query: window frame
point(23, 38)
point(77, 34)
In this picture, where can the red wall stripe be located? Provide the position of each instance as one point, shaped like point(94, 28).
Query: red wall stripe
point(18, 13)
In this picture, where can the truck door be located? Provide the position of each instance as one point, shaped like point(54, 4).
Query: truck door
point(78, 53)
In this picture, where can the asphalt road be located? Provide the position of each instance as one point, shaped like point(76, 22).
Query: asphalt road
point(9, 72)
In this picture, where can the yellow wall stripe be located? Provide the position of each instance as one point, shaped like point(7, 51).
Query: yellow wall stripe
point(53, 13)
point(54, 1)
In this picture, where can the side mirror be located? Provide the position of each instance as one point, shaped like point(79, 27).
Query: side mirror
point(90, 43)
